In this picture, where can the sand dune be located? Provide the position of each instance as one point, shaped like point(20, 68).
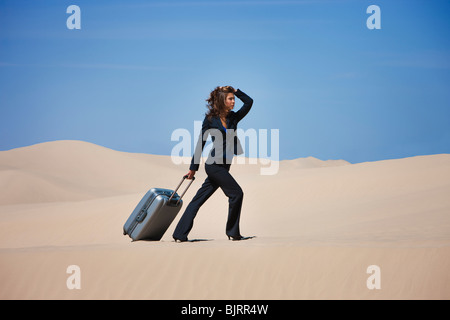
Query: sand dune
point(319, 225)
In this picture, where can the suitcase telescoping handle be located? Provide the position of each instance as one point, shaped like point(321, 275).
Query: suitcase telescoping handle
point(175, 191)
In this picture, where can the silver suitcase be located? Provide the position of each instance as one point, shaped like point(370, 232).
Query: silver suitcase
point(154, 213)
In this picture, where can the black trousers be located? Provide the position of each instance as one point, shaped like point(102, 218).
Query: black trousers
point(218, 176)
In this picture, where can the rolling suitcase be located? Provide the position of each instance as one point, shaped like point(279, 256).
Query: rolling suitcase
point(154, 213)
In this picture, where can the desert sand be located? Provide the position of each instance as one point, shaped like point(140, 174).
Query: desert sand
point(318, 224)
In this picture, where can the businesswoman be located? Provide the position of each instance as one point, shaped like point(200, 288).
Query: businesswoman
point(220, 123)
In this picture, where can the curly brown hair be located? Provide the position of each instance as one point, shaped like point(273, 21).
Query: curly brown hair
point(216, 101)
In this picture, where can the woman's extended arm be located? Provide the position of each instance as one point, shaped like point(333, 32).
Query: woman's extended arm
point(195, 161)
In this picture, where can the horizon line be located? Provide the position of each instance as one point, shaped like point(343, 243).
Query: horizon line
point(204, 157)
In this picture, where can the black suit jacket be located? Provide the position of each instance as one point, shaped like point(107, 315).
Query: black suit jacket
point(225, 141)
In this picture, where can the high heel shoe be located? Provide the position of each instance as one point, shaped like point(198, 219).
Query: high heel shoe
point(239, 238)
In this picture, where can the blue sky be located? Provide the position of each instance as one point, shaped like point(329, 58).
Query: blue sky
point(138, 70)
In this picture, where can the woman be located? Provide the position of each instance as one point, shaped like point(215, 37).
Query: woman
point(221, 123)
